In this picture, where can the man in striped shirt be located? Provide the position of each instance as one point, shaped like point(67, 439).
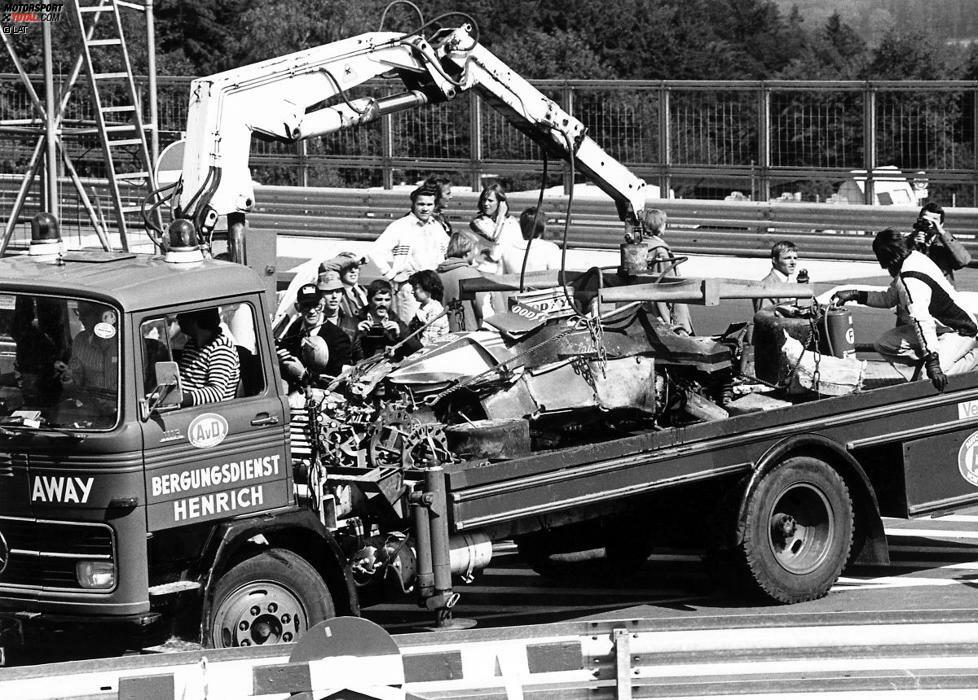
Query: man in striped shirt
point(209, 365)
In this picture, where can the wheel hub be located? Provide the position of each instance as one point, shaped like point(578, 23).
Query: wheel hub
point(801, 528)
point(259, 614)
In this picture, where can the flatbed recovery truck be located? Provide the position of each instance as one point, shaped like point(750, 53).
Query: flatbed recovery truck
point(245, 522)
point(141, 516)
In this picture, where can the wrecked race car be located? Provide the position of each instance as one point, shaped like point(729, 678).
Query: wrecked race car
point(567, 365)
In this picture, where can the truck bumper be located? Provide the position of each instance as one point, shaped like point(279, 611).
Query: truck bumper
point(42, 632)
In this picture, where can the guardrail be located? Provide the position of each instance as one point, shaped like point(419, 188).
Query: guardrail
point(746, 229)
point(706, 227)
point(625, 658)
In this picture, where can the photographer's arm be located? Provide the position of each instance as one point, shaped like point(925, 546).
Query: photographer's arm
point(959, 254)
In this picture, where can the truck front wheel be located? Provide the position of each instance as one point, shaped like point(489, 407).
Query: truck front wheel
point(798, 530)
point(270, 598)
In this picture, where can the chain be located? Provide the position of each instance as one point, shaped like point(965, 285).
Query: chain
point(457, 312)
point(597, 337)
point(811, 340)
point(582, 368)
point(816, 377)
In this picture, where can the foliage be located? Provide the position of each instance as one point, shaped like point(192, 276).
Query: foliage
point(583, 39)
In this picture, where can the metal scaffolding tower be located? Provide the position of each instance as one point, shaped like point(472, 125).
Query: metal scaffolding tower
point(104, 56)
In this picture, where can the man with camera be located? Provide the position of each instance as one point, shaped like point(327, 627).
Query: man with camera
point(930, 238)
point(314, 343)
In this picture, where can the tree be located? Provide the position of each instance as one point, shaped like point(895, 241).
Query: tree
point(834, 52)
point(557, 54)
point(910, 54)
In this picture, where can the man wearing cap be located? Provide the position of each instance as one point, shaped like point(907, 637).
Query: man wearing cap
point(319, 317)
point(354, 296)
point(410, 244)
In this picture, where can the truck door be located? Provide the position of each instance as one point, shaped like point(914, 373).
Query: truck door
point(226, 456)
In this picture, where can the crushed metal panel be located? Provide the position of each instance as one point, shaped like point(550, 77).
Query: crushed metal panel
point(561, 386)
point(514, 401)
point(628, 382)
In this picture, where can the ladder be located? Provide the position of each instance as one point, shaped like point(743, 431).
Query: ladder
point(120, 126)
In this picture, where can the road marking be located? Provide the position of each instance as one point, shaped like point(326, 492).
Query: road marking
point(937, 565)
point(936, 534)
point(849, 583)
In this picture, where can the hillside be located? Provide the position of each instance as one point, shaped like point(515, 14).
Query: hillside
point(955, 19)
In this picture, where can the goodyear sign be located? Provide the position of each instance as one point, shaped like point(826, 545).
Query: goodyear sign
point(184, 495)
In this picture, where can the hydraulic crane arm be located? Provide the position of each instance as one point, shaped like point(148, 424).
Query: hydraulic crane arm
point(540, 118)
point(304, 94)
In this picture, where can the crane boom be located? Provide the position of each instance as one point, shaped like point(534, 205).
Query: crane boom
point(304, 94)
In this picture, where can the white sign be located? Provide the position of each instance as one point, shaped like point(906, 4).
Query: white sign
point(207, 430)
point(61, 489)
point(967, 409)
point(104, 330)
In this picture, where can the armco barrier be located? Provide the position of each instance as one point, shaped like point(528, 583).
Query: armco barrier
point(919, 653)
point(707, 227)
point(824, 231)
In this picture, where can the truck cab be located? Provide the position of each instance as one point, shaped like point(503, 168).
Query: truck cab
point(114, 506)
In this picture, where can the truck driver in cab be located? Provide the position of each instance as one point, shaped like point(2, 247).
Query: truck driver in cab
point(209, 364)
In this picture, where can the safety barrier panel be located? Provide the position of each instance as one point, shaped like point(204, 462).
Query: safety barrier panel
point(349, 657)
point(706, 227)
point(749, 229)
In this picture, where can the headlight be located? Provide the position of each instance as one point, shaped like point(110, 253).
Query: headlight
point(95, 574)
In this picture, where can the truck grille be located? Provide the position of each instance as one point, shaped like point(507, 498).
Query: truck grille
point(43, 553)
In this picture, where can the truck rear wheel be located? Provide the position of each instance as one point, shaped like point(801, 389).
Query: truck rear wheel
point(270, 598)
point(798, 530)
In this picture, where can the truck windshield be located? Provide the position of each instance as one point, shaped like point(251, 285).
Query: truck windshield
point(59, 363)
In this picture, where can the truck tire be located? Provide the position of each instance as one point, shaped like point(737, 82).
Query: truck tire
point(798, 531)
point(270, 598)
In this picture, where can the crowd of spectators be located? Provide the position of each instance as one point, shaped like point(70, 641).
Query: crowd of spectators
point(417, 299)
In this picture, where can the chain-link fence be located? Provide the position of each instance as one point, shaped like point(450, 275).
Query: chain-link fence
point(766, 140)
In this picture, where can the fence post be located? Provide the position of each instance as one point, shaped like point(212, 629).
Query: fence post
point(665, 141)
point(764, 143)
point(387, 151)
point(974, 142)
point(869, 142)
point(302, 148)
point(475, 127)
point(567, 97)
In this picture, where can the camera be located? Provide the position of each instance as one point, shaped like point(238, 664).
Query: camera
point(926, 227)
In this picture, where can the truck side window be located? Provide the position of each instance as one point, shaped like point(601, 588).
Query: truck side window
point(238, 322)
point(163, 340)
point(59, 362)
point(156, 348)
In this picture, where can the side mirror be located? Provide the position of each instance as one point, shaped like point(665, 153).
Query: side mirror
point(168, 394)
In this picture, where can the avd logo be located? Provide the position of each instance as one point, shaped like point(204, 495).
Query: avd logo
point(207, 430)
point(968, 459)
